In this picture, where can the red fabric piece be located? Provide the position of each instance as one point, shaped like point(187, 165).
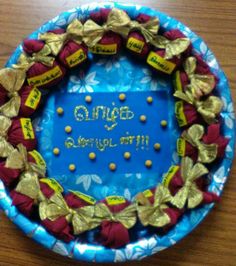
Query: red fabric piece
point(75, 202)
point(176, 183)
point(24, 203)
point(8, 175)
point(3, 95)
point(213, 136)
point(191, 151)
point(25, 110)
point(114, 234)
point(15, 136)
point(60, 228)
point(143, 18)
point(34, 46)
point(100, 16)
point(46, 190)
point(191, 114)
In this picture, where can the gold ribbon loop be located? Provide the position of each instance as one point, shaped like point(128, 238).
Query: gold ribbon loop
point(149, 29)
point(25, 62)
point(154, 214)
point(12, 80)
point(207, 153)
point(18, 159)
point(118, 21)
point(56, 41)
point(5, 147)
point(127, 217)
point(29, 186)
point(209, 108)
point(172, 48)
point(82, 219)
point(200, 84)
point(189, 193)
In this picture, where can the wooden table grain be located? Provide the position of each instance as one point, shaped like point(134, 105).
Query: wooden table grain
point(213, 242)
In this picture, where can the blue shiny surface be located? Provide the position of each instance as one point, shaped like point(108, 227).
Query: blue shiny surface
point(147, 245)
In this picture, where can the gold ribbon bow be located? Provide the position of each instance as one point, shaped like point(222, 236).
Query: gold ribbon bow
point(18, 159)
point(127, 217)
point(207, 153)
point(189, 192)
point(82, 219)
point(5, 147)
point(56, 41)
point(200, 84)
point(154, 214)
point(25, 62)
point(12, 80)
point(208, 108)
point(172, 48)
point(118, 21)
point(29, 186)
point(148, 29)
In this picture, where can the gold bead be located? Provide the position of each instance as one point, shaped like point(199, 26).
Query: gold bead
point(157, 146)
point(149, 99)
point(60, 111)
point(163, 123)
point(68, 129)
point(148, 163)
point(72, 167)
point(88, 99)
point(122, 96)
point(127, 155)
point(92, 155)
point(143, 118)
point(56, 151)
point(112, 166)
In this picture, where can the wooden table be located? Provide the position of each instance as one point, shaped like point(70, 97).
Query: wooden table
point(213, 242)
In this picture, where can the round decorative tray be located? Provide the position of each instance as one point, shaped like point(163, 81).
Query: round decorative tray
point(114, 75)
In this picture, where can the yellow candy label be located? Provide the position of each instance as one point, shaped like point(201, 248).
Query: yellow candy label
point(135, 45)
point(147, 193)
point(33, 99)
point(45, 77)
point(115, 200)
point(84, 197)
point(108, 49)
point(27, 128)
point(179, 112)
point(37, 157)
point(160, 63)
point(76, 58)
point(169, 175)
point(177, 81)
point(53, 184)
point(181, 146)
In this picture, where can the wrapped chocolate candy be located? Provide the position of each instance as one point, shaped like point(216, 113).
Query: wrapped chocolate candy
point(19, 99)
point(117, 216)
point(14, 132)
point(154, 208)
point(200, 146)
point(185, 183)
point(106, 39)
point(197, 75)
point(42, 70)
point(208, 108)
point(20, 161)
point(67, 45)
point(143, 30)
point(100, 16)
point(172, 47)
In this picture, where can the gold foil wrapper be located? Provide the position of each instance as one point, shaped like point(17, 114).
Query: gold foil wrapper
point(154, 214)
point(5, 147)
point(189, 193)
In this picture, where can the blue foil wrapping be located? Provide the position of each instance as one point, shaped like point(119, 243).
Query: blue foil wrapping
point(148, 244)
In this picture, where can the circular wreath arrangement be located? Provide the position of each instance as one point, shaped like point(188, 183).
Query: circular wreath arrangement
point(43, 64)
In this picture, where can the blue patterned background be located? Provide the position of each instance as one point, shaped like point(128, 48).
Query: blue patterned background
point(81, 82)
